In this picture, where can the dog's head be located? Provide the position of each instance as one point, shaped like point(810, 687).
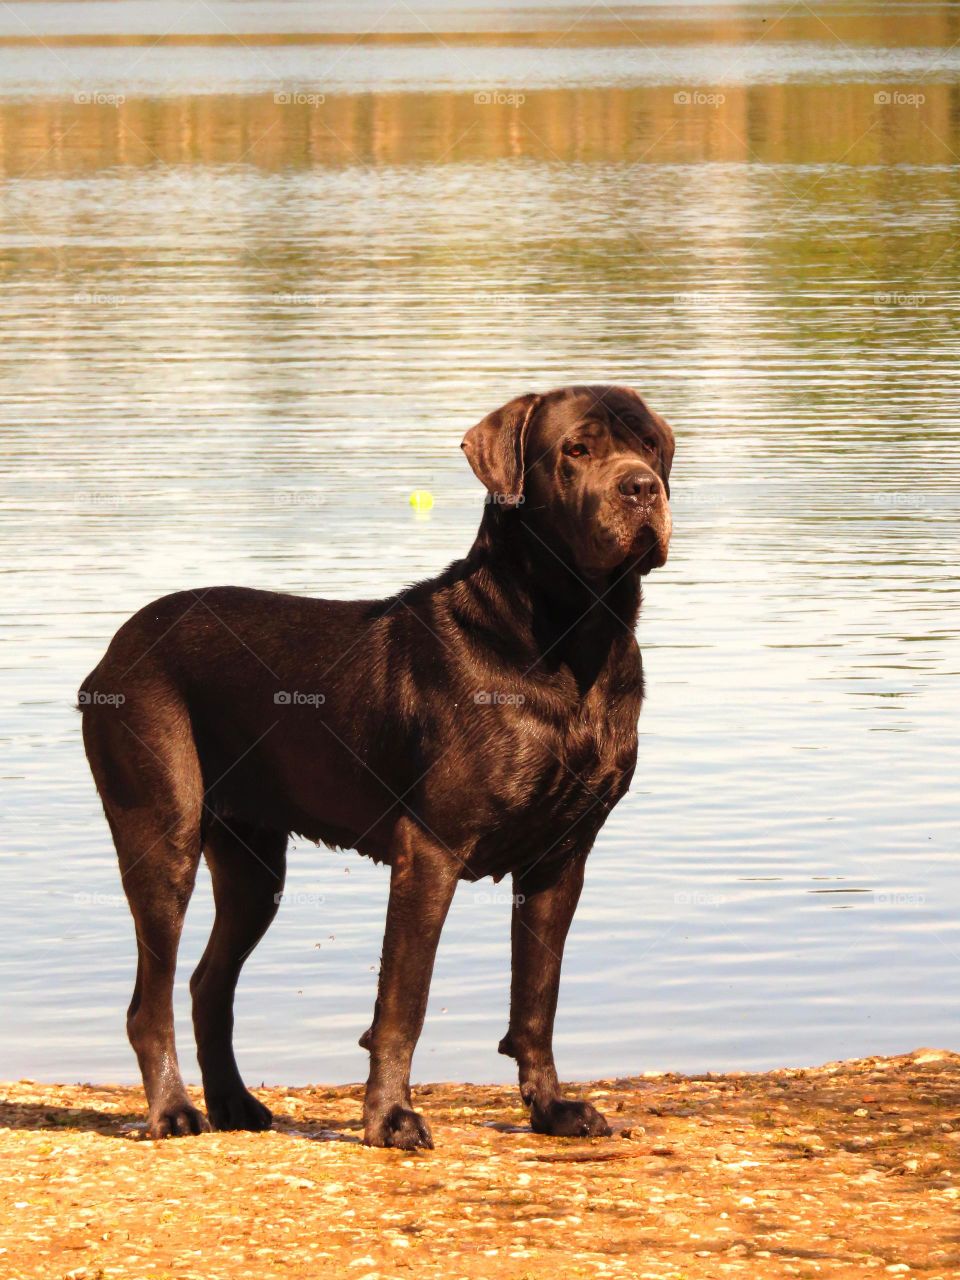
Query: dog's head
point(589, 467)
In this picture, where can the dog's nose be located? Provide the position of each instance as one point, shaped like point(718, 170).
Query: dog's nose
point(639, 487)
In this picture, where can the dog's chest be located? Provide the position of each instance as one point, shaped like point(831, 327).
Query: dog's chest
point(556, 781)
point(588, 761)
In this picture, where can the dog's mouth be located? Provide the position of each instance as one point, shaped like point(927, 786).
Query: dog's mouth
point(640, 542)
point(644, 536)
point(651, 543)
point(652, 533)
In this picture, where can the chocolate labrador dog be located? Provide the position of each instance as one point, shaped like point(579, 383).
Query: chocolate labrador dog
point(478, 724)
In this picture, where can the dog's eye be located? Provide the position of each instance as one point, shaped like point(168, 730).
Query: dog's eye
point(575, 450)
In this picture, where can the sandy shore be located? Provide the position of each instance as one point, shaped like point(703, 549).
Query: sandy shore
point(844, 1170)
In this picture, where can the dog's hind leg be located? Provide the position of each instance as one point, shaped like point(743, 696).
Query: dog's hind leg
point(147, 772)
point(247, 865)
point(158, 885)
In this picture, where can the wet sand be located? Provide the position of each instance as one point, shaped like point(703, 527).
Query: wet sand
point(848, 1169)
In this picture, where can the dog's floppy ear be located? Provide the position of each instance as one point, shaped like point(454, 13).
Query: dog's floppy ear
point(495, 447)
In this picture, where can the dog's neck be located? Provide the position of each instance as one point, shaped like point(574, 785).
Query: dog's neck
point(535, 595)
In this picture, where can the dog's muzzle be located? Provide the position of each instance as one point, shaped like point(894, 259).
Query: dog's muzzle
point(643, 500)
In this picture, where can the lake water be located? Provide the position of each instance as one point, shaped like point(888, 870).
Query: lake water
point(259, 275)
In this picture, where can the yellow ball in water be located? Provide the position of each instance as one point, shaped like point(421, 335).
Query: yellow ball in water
point(421, 499)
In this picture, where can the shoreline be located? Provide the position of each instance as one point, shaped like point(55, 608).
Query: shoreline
point(847, 1169)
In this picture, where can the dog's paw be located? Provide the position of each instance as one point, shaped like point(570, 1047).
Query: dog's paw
point(176, 1120)
point(238, 1110)
point(564, 1119)
point(399, 1128)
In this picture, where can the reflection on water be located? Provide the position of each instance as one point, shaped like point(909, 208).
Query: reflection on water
point(238, 331)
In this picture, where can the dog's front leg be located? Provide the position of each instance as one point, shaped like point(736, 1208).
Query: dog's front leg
point(541, 918)
point(422, 882)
